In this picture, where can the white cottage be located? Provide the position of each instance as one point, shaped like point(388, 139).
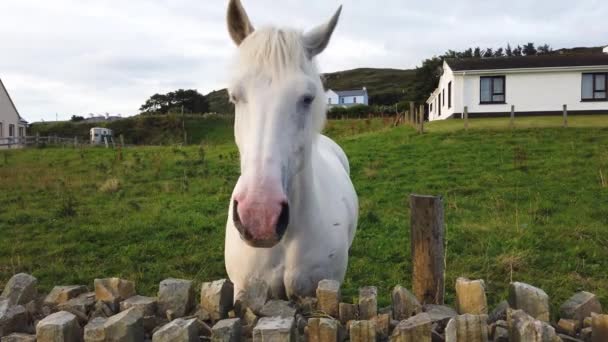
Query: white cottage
point(12, 126)
point(535, 85)
point(346, 98)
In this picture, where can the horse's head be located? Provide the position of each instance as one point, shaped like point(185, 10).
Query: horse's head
point(280, 109)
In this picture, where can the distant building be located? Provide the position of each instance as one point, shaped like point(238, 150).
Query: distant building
point(101, 118)
point(534, 85)
point(12, 125)
point(99, 135)
point(346, 98)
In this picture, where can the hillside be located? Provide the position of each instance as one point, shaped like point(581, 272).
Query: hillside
point(385, 86)
point(518, 204)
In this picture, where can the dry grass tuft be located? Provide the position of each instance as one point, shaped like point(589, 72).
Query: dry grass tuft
point(110, 186)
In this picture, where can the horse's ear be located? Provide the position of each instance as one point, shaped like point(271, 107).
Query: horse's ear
point(239, 25)
point(316, 40)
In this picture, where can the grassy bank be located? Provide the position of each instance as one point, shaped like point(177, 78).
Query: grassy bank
point(529, 205)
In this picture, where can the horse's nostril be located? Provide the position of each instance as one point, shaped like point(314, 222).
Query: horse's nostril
point(283, 220)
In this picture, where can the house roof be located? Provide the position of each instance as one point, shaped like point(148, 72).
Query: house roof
point(526, 62)
point(21, 120)
point(358, 92)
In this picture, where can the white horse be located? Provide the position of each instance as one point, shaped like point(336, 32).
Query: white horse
point(293, 212)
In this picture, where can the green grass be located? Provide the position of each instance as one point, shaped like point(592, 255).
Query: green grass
point(574, 121)
point(529, 205)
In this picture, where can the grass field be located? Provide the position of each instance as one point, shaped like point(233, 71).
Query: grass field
point(528, 205)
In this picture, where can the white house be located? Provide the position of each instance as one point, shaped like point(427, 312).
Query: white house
point(535, 85)
point(12, 126)
point(346, 98)
point(99, 135)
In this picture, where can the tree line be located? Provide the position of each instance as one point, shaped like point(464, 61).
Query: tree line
point(181, 100)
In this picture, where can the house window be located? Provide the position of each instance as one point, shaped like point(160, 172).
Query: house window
point(595, 87)
point(21, 130)
point(341, 100)
point(439, 105)
point(1, 130)
point(11, 130)
point(492, 89)
point(431, 107)
point(450, 95)
point(443, 97)
point(355, 99)
point(329, 100)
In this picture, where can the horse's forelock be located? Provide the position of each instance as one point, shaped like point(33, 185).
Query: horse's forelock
point(276, 52)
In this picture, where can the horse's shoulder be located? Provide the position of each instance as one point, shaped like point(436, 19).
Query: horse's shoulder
point(331, 149)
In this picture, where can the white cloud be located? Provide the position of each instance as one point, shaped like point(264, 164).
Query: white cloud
point(80, 56)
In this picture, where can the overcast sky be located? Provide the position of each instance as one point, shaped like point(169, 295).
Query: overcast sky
point(70, 57)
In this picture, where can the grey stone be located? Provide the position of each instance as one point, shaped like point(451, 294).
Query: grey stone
point(178, 330)
point(499, 313)
point(147, 305)
point(524, 328)
point(530, 299)
point(61, 294)
point(19, 337)
point(328, 296)
point(500, 331)
point(176, 295)
point(566, 338)
point(113, 290)
point(13, 318)
point(254, 296)
point(569, 326)
point(362, 331)
point(586, 334)
point(368, 302)
point(94, 331)
point(414, 329)
point(471, 297)
point(307, 305)
point(227, 330)
point(278, 308)
point(405, 304)
point(61, 326)
point(126, 326)
point(440, 313)
point(20, 289)
point(383, 323)
point(217, 298)
point(322, 330)
point(348, 312)
point(599, 326)
point(467, 328)
point(580, 306)
point(84, 303)
point(274, 329)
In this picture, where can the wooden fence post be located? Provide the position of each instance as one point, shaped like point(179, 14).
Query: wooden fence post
point(412, 112)
point(466, 118)
point(122, 140)
point(427, 245)
point(565, 116)
point(75, 142)
point(421, 119)
point(512, 122)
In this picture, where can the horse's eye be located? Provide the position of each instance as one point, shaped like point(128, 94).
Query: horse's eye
point(233, 99)
point(308, 99)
